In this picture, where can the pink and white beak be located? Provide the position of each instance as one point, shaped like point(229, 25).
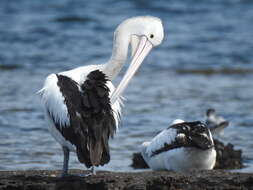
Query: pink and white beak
point(140, 51)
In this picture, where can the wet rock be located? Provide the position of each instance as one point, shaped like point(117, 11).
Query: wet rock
point(138, 162)
point(227, 157)
point(47, 180)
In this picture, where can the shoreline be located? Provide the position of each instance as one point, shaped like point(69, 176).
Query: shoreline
point(107, 180)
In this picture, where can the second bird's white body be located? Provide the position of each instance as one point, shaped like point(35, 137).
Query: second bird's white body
point(181, 159)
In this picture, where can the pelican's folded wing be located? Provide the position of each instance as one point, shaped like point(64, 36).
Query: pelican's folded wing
point(88, 117)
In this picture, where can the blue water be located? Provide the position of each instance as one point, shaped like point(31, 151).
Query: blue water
point(205, 61)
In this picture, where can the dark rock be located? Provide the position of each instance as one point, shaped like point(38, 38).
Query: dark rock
point(138, 162)
point(47, 180)
point(227, 157)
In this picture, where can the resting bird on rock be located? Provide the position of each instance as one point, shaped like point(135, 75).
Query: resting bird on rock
point(215, 123)
point(182, 147)
point(82, 105)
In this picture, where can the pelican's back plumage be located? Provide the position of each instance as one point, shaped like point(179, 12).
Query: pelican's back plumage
point(82, 114)
point(91, 116)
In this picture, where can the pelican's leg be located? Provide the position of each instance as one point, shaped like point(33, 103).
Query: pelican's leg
point(65, 161)
point(93, 171)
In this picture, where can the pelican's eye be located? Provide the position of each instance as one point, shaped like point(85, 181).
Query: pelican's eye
point(151, 35)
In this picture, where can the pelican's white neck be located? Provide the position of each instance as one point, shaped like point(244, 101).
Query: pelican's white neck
point(119, 52)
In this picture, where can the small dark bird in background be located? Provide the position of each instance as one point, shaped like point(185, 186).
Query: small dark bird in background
point(215, 123)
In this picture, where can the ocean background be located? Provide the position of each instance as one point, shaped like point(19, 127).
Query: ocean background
point(205, 61)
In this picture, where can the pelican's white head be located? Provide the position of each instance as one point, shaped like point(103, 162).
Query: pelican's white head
point(142, 33)
point(144, 26)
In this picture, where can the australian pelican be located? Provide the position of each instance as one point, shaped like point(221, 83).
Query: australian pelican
point(215, 123)
point(82, 105)
point(183, 146)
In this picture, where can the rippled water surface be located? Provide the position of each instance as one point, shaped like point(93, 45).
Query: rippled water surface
point(205, 61)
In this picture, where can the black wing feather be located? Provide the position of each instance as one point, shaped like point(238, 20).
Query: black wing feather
point(92, 121)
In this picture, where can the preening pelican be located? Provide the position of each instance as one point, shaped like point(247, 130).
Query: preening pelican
point(215, 123)
point(82, 105)
point(181, 147)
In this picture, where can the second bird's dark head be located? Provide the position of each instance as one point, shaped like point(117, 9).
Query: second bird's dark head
point(193, 134)
point(210, 112)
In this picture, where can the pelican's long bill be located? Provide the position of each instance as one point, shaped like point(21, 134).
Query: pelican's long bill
point(142, 51)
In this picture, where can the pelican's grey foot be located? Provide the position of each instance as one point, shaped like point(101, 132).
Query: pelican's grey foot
point(84, 175)
point(91, 172)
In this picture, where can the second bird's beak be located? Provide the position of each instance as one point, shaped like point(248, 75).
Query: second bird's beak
point(141, 46)
point(202, 141)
